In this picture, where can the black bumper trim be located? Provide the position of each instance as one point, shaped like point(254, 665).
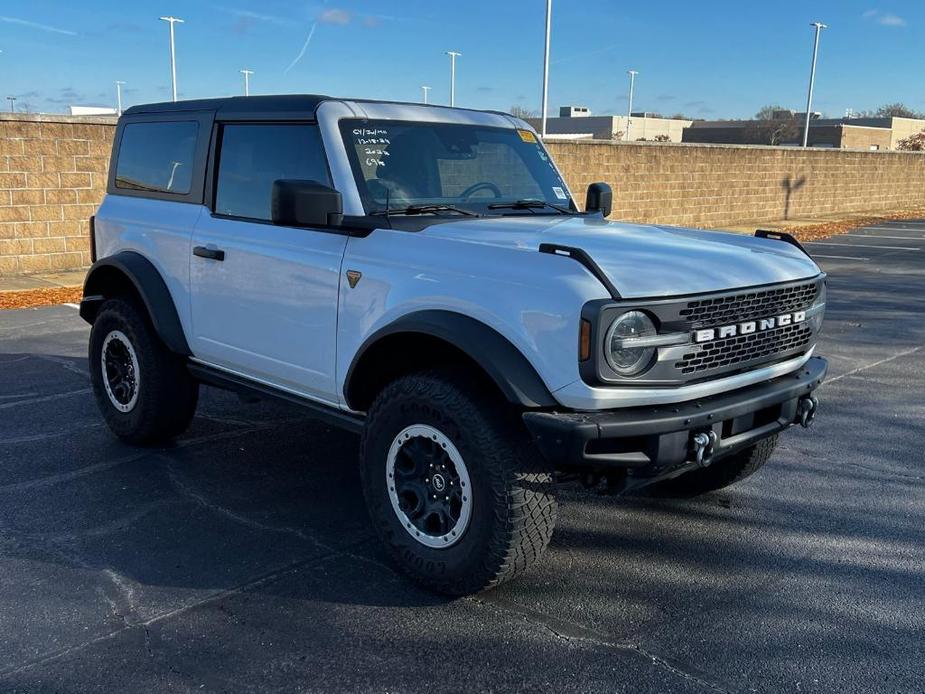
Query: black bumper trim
point(657, 438)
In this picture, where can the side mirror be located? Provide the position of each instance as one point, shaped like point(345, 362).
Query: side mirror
point(297, 203)
point(599, 199)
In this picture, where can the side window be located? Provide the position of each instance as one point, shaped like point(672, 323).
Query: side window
point(157, 157)
point(251, 157)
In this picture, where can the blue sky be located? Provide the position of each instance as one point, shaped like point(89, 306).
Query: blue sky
point(710, 59)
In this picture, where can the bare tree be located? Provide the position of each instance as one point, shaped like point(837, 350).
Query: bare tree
point(767, 112)
point(897, 110)
point(524, 113)
point(775, 132)
point(913, 143)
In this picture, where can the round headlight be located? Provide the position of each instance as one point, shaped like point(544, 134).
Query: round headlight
point(619, 351)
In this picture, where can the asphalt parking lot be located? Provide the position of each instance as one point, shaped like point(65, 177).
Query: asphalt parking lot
point(241, 558)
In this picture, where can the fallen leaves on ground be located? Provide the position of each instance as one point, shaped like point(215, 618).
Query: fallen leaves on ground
point(29, 298)
point(823, 230)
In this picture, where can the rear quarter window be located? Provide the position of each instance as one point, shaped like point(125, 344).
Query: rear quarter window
point(157, 157)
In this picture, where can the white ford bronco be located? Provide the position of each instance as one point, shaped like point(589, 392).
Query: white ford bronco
point(423, 276)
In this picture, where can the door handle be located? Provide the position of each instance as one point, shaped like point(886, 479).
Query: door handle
point(210, 253)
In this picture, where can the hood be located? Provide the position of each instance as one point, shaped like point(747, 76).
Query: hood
point(646, 261)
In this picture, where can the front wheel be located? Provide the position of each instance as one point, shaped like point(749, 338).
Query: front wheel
point(455, 488)
point(143, 390)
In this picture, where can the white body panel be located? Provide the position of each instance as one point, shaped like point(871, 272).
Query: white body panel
point(161, 231)
point(647, 261)
point(269, 310)
point(533, 299)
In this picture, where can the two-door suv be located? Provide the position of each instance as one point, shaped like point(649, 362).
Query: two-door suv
point(423, 275)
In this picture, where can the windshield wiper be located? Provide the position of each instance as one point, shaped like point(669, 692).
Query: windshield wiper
point(528, 205)
point(422, 209)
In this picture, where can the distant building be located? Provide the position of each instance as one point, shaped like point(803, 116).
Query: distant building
point(574, 112)
point(785, 128)
point(790, 114)
point(578, 122)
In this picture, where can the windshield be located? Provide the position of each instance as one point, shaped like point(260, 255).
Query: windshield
point(400, 164)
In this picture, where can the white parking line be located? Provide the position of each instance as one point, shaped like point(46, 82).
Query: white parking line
point(73, 306)
point(838, 257)
point(882, 236)
point(893, 228)
point(863, 245)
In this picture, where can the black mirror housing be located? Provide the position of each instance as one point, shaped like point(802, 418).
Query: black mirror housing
point(298, 203)
point(599, 199)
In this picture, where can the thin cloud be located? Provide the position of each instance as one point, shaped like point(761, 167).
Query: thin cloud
point(891, 20)
point(36, 25)
point(249, 15)
point(887, 19)
point(335, 16)
point(308, 40)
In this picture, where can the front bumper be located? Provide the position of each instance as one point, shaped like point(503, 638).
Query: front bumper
point(654, 441)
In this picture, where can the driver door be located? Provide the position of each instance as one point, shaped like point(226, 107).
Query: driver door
point(264, 297)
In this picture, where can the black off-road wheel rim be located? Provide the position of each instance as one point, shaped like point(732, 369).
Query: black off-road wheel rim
point(120, 372)
point(429, 486)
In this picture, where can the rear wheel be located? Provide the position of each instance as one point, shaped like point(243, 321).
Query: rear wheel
point(455, 488)
point(142, 389)
point(720, 474)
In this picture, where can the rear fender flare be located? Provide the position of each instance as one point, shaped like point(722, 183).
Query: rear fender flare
point(111, 276)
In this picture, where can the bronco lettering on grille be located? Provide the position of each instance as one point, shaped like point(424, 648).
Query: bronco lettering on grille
point(748, 327)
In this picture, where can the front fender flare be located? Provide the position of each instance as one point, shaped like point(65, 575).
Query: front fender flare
point(495, 354)
point(111, 275)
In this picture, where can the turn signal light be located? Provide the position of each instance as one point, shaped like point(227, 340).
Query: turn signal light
point(584, 341)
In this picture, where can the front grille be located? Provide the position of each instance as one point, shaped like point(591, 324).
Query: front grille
point(733, 351)
point(759, 303)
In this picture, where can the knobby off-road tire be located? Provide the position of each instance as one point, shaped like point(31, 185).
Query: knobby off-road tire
point(144, 392)
point(504, 491)
point(722, 473)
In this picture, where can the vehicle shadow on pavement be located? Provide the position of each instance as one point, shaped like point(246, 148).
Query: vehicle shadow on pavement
point(248, 490)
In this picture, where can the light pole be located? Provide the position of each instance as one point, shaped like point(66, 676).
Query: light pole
point(173, 53)
point(12, 100)
point(629, 108)
point(119, 84)
point(247, 82)
point(812, 80)
point(546, 66)
point(453, 56)
point(426, 90)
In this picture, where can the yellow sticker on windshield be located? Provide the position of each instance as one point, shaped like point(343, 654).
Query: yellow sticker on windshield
point(526, 136)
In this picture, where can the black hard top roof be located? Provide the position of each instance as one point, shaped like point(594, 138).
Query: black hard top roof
point(283, 103)
point(279, 105)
